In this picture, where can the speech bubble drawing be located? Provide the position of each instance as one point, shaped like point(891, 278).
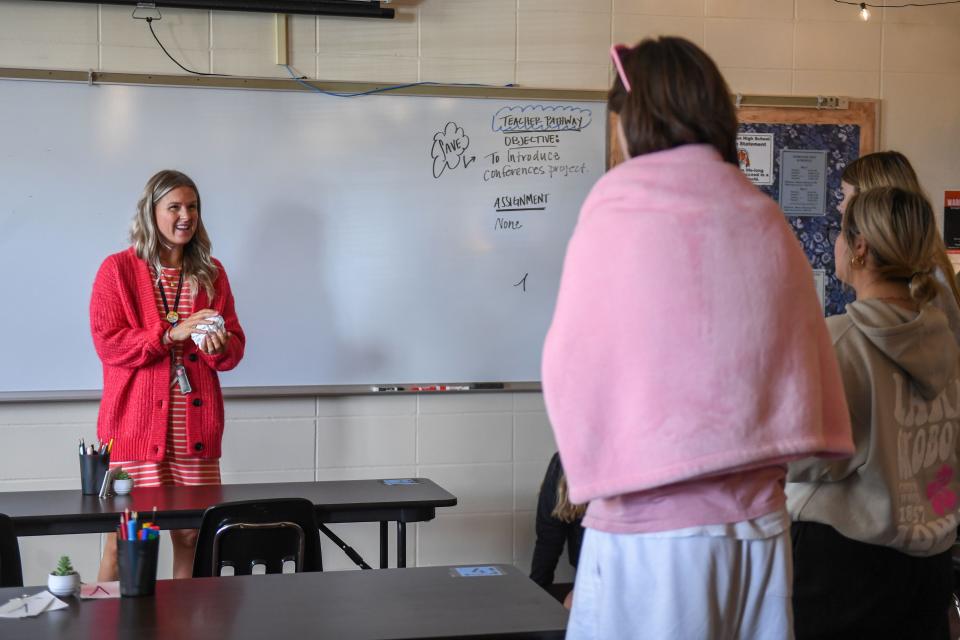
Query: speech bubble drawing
point(448, 149)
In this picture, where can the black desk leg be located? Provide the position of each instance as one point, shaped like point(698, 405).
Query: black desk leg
point(384, 560)
point(401, 544)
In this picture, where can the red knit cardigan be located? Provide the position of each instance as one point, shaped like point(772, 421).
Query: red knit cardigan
point(127, 334)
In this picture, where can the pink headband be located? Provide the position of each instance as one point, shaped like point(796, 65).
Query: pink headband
point(615, 52)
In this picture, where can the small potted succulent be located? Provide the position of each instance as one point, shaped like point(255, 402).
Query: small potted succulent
point(122, 482)
point(64, 580)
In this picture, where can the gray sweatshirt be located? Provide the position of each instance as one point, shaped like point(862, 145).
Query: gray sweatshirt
point(901, 487)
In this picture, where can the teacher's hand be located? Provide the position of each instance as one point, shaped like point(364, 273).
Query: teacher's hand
point(215, 343)
point(184, 328)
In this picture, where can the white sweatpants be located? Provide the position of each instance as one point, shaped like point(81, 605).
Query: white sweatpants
point(682, 588)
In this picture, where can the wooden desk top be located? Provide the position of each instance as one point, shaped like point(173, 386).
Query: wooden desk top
point(68, 511)
point(423, 602)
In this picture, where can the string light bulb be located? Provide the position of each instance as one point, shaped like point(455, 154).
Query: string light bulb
point(865, 12)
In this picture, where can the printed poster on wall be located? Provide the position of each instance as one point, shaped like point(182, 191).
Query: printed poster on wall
point(803, 182)
point(755, 155)
point(951, 220)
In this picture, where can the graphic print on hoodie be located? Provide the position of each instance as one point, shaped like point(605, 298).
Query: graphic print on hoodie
point(901, 378)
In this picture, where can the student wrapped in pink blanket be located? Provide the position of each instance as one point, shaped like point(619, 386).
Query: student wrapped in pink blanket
point(688, 339)
point(688, 361)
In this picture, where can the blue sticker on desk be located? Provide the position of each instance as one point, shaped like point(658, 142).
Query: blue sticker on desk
point(475, 572)
point(400, 481)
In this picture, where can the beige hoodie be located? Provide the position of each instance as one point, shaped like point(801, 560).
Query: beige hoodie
point(901, 487)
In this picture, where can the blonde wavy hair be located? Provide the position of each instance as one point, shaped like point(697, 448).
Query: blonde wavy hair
point(893, 169)
point(198, 267)
point(881, 169)
point(565, 510)
point(901, 235)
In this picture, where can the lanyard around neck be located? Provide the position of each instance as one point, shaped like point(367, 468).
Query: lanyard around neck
point(171, 315)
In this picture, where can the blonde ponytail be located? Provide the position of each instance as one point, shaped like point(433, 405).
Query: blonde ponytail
point(923, 287)
point(901, 233)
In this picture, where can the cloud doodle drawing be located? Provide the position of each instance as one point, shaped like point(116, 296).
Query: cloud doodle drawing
point(449, 147)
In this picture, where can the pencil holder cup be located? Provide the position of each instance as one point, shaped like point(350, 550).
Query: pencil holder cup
point(92, 470)
point(137, 561)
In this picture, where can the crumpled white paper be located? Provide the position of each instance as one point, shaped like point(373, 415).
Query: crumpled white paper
point(211, 324)
point(30, 606)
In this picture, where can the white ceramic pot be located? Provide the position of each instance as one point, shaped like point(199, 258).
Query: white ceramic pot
point(122, 487)
point(64, 585)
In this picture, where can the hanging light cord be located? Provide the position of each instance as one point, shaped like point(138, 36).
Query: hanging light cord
point(896, 6)
point(159, 16)
point(154, 33)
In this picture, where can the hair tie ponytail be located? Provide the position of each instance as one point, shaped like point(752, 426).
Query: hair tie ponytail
point(923, 286)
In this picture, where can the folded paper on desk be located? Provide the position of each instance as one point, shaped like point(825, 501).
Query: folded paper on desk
point(30, 606)
point(475, 572)
point(100, 590)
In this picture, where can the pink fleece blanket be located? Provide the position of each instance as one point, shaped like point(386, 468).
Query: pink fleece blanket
point(687, 339)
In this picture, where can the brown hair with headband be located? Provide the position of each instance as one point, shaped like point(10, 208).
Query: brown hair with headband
point(677, 96)
point(901, 235)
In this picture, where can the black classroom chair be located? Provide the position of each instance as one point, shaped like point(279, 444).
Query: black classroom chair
point(11, 572)
point(244, 534)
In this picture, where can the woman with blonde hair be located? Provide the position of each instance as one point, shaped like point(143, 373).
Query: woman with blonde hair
point(163, 323)
point(893, 169)
point(884, 519)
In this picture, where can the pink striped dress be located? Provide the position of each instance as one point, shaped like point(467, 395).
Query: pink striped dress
point(177, 467)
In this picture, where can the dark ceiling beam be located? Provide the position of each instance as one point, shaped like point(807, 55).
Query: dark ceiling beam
point(330, 8)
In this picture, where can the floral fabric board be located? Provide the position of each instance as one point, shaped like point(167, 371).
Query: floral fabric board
point(816, 233)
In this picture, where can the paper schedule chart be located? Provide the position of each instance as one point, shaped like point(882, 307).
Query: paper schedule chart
point(803, 182)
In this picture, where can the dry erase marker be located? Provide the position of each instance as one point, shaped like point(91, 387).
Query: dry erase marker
point(442, 387)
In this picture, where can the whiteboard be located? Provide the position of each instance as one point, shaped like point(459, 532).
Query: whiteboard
point(371, 240)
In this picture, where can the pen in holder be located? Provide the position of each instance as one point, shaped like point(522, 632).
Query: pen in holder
point(137, 561)
point(92, 469)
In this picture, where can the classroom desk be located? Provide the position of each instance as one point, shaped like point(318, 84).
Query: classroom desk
point(40, 513)
point(422, 602)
